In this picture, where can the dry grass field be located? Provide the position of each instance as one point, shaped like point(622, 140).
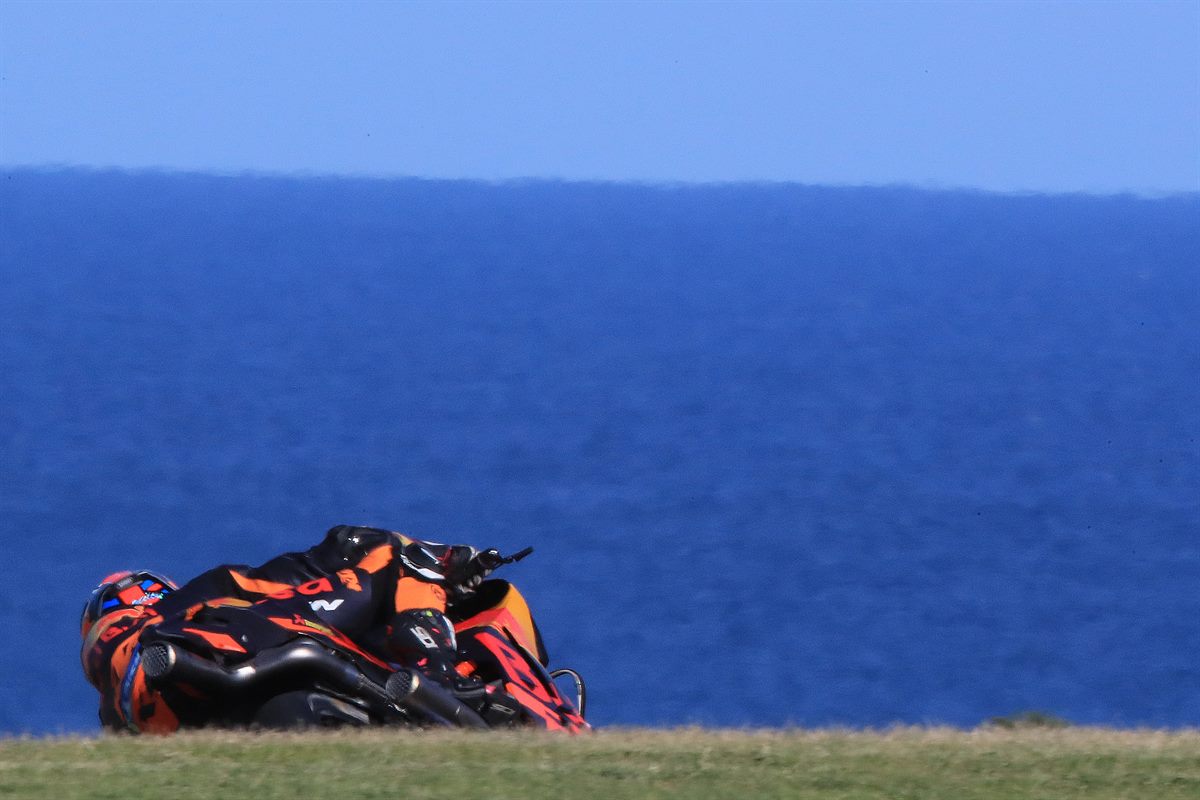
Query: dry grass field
point(991, 763)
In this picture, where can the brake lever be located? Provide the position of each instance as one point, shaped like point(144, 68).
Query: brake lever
point(491, 559)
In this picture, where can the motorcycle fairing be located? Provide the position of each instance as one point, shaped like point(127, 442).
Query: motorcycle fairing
point(231, 632)
point(495, 656)
point(497, 604)
point(498, 640)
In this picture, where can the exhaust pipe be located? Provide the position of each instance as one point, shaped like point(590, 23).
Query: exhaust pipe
point(412, 690)
point(165, 662)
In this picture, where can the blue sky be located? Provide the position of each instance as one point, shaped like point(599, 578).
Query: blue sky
point(1012, 96)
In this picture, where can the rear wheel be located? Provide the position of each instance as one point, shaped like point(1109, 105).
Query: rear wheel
point(308, 709)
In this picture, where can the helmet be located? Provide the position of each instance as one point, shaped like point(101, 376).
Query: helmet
point(121, 590)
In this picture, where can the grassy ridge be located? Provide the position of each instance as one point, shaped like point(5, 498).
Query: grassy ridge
point(925, 763)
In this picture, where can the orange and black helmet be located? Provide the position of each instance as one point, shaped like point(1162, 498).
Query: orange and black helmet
point(123, 590)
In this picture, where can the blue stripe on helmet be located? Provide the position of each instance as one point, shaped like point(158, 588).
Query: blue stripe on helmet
point(127, 688)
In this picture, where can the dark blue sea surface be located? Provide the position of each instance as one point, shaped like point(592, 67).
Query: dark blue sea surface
point(786, 454)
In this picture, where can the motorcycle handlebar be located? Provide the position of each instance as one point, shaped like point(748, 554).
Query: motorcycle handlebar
point(491, 559)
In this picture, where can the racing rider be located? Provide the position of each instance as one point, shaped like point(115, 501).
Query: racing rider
point(385, 590)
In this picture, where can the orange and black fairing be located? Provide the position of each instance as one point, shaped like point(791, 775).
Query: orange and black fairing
point(111, 658)
point(499, 640)
point(125, 609)
point(341, 593)
point(497, 604)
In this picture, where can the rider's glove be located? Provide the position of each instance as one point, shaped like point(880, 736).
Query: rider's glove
point(468, 567)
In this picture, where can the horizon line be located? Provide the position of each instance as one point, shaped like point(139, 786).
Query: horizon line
point(648, 183)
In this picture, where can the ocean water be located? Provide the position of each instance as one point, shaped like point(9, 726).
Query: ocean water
point(787, 454)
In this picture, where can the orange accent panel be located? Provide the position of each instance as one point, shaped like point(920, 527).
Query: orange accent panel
point(514, 666)
point(105, 622)
point(161, 719)
point(534, 705)
point(377, 559)
point(511, 615)
point(316, 586)
point(219, 602)
point(413, 593)
point(221, 641)
point(131, 593)
point(120, 661)
point(349, 580)
point(522, 683)
point(256, 585)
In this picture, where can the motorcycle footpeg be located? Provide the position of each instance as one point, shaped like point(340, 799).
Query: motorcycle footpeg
point(501, 710)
